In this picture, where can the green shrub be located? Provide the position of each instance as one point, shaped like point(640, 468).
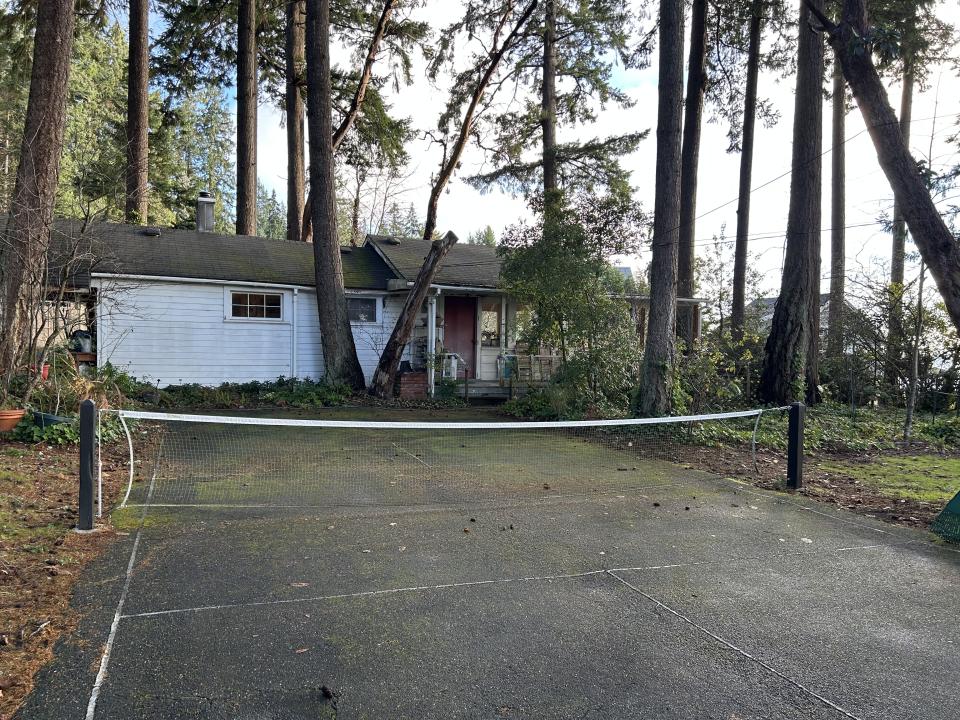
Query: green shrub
point(284, 392)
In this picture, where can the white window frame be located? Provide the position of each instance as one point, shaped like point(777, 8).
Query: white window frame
point(377, 313)
point(228, 293)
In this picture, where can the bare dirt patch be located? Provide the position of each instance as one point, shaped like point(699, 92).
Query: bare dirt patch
point(41, 557)
point(830, 478)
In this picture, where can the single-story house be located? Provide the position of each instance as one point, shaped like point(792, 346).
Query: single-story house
point(174, 306)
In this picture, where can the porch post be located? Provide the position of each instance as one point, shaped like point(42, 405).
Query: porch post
point(431, 341)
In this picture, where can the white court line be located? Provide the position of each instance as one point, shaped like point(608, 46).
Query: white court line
point(419, 460)
point(108, 648)
point(739, 650)
point(492, 581)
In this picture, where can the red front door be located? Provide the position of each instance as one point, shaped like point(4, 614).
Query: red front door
point(460, 329)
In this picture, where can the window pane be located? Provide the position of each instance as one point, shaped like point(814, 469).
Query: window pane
point(362, 310)
point(239, 298)
point(273, 301)
point(272, 312)
point(490, 323)
point(256, 311)
point(239, 311)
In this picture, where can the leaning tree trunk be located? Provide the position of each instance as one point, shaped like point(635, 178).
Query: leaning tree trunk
point(247, 118)
point(746, 174)
point(838, 200)
point(336, 335)
point(138, 111)
point(690, 157)
point(23, 252)
point(658, 358)
point(937, 245)
point(548, 102)
point(792, 333)
point(293, 103)
point(896, 333)
point(386, 372)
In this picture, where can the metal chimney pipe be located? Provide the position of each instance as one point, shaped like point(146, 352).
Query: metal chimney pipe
point(205, 205)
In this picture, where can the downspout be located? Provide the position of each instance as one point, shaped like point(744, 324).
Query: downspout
point(293, 335)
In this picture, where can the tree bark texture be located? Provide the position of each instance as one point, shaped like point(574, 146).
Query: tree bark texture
point(658, 357)
point(937, 245)
point(738, 312)
point(838, 215)
point(23, 250)
point(356, 103)
point(247, 117)
point(138, 112)
point(793, 332)
point(339, 350)
point(548, 100)
point(293, 101)
point(386, 374)
point(690, 154)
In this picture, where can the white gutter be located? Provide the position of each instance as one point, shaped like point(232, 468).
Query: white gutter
point(239, 283)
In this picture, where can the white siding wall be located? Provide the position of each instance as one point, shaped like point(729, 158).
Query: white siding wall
point(179, 332)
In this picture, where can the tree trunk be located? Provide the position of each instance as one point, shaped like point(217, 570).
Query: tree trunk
point(336, 335)
point(138, 112)
point(793, 333)
point(746, 174)
point(23, 252)
point(247, 117)
point(293, 101)
point(390, 358)
point(914, 361)
point(548, 101)
point(657, 378)
point(838, 197)
point(895, 334)
point(466, 124)
point(386, 374)
point(356, 102)
point(938, 247)
point(690, 157)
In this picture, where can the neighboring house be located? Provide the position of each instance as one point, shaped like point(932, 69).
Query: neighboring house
point(763, 308)
point(185, 306)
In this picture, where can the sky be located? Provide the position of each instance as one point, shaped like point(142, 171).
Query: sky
point(936, 112)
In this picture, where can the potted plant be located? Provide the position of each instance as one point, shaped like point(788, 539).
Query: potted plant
point(10, 415)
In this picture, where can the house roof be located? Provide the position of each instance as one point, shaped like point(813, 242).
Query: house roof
point(129, 249)
point(464, 266)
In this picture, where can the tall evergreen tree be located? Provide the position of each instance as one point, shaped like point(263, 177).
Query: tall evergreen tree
point(790, 353)
point(565, 65)
point(690, 158)
point(23, 254)
point(247, 101)
point(658, 356)
point(138, 110)
point(293, 104)
point(339, 350)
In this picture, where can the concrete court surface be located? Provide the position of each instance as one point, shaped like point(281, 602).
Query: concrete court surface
point(687, 597)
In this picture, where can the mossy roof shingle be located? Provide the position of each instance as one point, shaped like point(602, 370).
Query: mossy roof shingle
point(127, 249)
point(464, 266)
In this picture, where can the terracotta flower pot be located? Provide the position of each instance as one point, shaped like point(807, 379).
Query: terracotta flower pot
point(10, 418)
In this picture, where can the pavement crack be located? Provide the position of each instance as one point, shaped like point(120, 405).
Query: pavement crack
point(752, 658)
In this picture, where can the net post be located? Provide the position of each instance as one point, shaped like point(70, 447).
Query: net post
point(88, 414)
point(795, 446)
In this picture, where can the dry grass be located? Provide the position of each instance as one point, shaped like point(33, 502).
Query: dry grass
point(40, 556)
